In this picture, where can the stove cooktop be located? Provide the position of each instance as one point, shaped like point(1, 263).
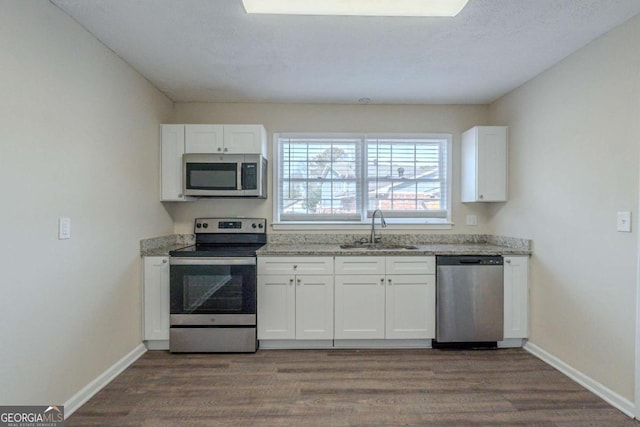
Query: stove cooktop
point(217, 250)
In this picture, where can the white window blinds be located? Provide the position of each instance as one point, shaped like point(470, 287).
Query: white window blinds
point(324, 178)
point(319, 179)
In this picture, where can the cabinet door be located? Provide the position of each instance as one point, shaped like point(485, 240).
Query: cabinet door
point(410, 306)
point(516, 296)
point(276, 307)
point(314, 307)
point(359, 306)
point(492, 163)
point(484, 164)
point(245, 139)
point(204, 138)
point(171, 151)
point(156, 298)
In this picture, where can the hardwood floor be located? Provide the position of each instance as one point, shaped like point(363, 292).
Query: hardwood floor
point(345, 388)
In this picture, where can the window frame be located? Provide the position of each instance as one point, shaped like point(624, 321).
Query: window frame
point(364, 222)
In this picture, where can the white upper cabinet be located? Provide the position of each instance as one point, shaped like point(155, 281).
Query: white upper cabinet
point(172, 147)
point(484, 164)
point(177, 140)
point(245, 139)
point(226, 139)
point(204, 139)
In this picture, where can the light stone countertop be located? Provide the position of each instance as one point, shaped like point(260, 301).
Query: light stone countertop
point(329, 245)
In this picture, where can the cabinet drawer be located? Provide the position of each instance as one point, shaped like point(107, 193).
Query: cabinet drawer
point(295, 265)
point(360, 265)
point(411, 265)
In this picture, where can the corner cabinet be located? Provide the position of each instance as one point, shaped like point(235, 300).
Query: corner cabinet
point(484, 164)
point(156, 302)
point(516, 297)
point(295, 298)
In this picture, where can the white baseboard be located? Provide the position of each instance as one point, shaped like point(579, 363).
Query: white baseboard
point(383, 343)
point(157, 344)
point(81, 397)
point(611, 397)
point(295, 344)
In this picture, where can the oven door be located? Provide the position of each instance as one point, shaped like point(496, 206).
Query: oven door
point(212, 291)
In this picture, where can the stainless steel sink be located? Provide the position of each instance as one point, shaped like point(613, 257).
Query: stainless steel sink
point(376, 246)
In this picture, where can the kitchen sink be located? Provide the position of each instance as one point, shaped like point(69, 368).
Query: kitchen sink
point(377, 246)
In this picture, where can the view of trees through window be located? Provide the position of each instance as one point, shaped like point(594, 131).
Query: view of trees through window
point(322, 179)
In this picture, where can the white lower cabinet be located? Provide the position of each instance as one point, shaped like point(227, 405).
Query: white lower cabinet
point(389, 305)
point(156, 302)
point(410, 306)
point(516, 297)
point(360, 306)
point(297, 305)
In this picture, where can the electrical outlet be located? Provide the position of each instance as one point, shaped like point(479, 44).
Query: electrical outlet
point(64, 228)
point(472, 220)
point(624, 221)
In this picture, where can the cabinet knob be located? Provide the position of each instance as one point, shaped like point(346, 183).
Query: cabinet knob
point(382, 281)
point(481, 197)
point(164, 261)
point(226, 149)
point(219, 148)
point(508, 261)
point(389, 282)
point(299, 282)
point(290, 282)
point(295, 266)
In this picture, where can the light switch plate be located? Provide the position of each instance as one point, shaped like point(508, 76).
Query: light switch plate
point(64, 228)
point(624, 221)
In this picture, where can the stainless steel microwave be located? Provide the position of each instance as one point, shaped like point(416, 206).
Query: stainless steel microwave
point(225, 175)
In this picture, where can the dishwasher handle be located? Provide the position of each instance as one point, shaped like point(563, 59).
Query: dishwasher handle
point(469, 260)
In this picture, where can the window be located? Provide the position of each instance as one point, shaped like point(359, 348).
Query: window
point(344, 178)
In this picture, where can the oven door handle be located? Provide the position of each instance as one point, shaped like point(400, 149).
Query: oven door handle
point(212, 261)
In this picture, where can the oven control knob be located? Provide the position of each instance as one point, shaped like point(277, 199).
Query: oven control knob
point(260, 226)
point(205, 225)
point(253, 225)
point(198, 225)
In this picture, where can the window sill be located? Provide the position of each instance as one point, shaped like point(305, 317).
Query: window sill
point(361, 226)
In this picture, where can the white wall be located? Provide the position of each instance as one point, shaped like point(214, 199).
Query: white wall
point(574, 151)
point(78, 138)
point(329, 118)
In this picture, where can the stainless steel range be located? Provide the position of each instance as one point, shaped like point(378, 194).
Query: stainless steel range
point(213, 287)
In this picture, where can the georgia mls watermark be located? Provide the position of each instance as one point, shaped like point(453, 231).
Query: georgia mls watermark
point(32, 416)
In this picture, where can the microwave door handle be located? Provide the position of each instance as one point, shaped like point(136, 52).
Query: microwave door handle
point(241, 176)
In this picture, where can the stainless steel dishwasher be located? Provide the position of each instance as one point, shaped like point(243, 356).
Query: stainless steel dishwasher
point(469, 301)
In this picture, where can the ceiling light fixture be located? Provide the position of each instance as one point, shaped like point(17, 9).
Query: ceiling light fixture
point(357, 7)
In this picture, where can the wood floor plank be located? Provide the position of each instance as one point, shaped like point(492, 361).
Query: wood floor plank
point(345, 387)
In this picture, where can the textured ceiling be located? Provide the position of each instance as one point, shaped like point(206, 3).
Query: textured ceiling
point(210, 50)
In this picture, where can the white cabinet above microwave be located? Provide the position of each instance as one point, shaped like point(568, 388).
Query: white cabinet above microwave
point(180, 139)
point(226, 139)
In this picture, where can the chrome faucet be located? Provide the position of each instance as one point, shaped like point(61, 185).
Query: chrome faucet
point(383, 224)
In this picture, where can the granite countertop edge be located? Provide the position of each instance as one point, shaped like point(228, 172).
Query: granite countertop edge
point(425, 249)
